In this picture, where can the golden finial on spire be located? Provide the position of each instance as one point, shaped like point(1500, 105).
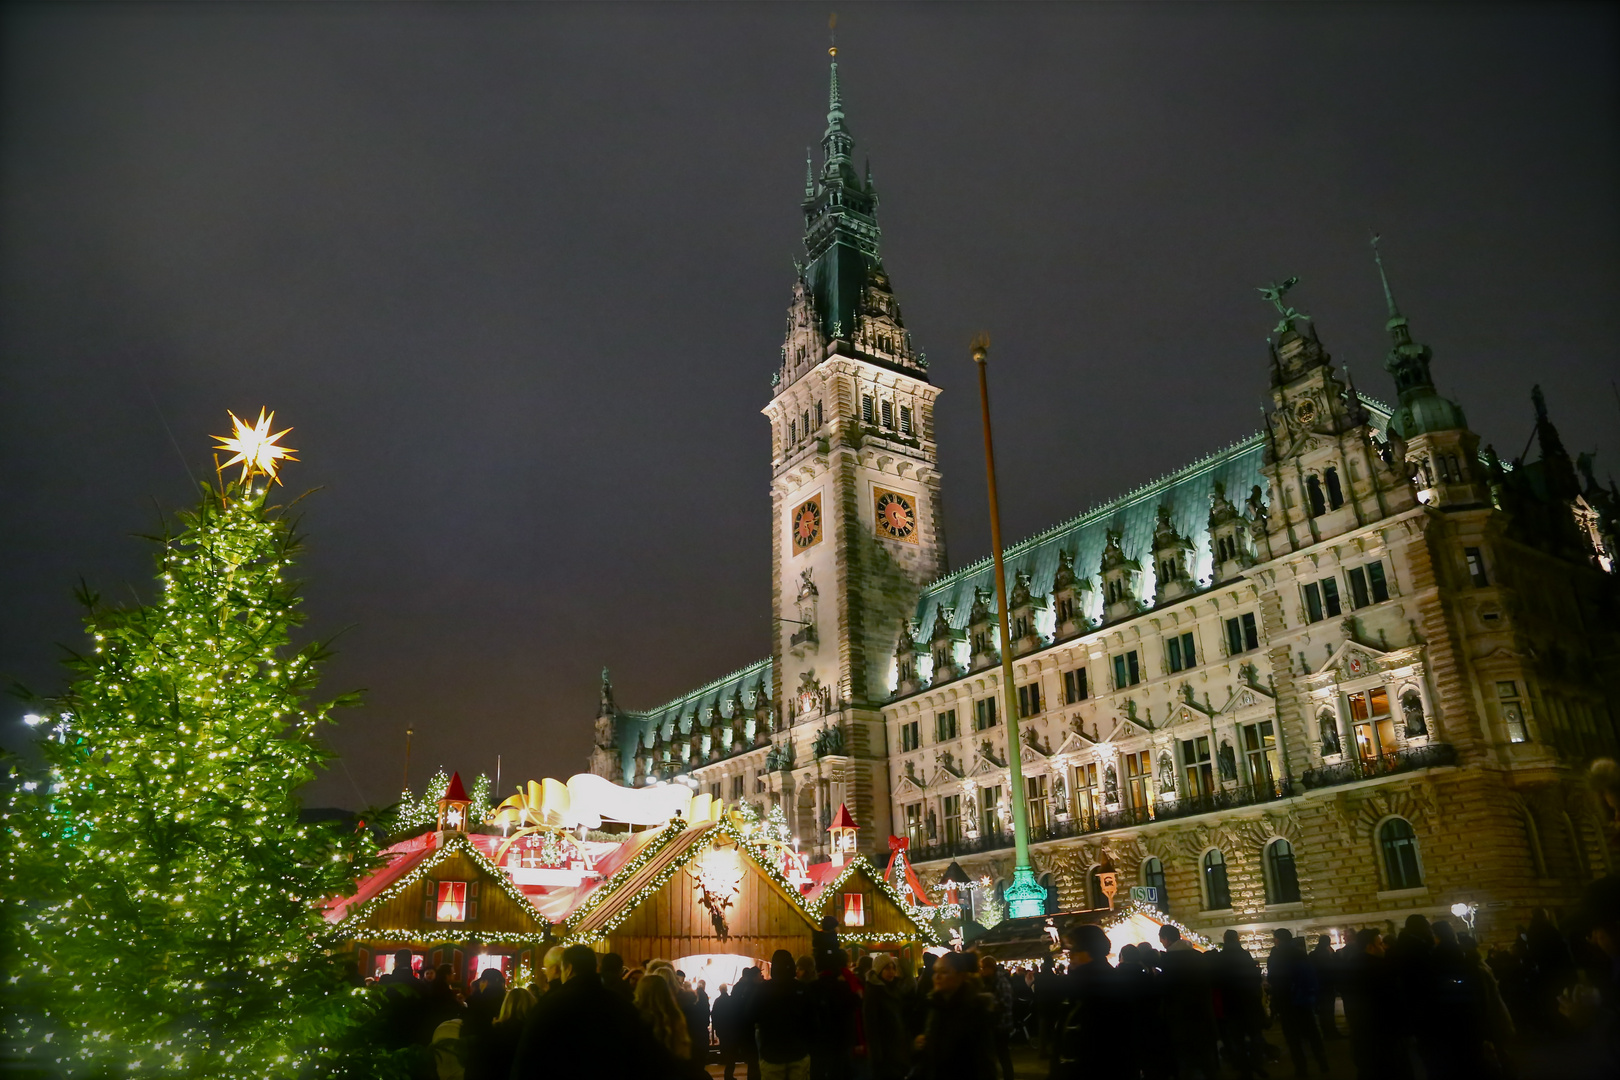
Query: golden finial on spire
point(254, 446)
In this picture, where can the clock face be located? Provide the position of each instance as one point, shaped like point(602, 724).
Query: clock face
point(896, 515)
point(805, 524)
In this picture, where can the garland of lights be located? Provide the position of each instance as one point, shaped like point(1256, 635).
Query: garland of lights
point(601, 893)
point(350, 926)
point(386, 934)
point(641, 895)
point(1136, 907)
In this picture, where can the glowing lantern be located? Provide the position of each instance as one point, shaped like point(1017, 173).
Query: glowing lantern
point(842, 831)
point(453, 806)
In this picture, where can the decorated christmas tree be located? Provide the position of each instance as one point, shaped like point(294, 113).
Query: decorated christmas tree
point(163, 910)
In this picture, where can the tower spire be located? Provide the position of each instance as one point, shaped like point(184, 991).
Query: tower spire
point(1421, 406)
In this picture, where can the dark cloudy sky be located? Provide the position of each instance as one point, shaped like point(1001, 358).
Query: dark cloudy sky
point(517, 277)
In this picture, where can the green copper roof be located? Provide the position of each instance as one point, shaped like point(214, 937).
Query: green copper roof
point(634, 730)
point(1187, 492)
point(1421, 407)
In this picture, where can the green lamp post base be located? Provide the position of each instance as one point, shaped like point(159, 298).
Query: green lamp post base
point(1025, 896)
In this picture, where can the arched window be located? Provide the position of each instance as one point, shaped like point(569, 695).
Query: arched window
point(1153, 878)
point(1282, 880)
point(1335, 494)
point(1095, 896)
point(1412, 715)
point(1216, 895)
point(1399, 842)
point(1313, 493)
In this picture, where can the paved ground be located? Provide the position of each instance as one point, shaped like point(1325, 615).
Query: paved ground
point(1563, 1060)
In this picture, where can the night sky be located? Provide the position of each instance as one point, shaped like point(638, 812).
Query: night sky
point(517, 277)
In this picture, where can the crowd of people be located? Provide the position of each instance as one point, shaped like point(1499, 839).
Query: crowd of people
point(1418, 1002)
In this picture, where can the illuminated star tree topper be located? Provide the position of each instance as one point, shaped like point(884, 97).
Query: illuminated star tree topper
point(255, 447)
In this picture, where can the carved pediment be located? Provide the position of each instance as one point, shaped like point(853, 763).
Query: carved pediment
point(1186, 714)
point(1029, 755)
point(1125, 729)
point(908, 784)
point(1073, 743)
point(1246, 697)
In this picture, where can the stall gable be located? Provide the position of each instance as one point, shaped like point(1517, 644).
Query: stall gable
point(675, 920)
point(476, 904)
point(882, 920)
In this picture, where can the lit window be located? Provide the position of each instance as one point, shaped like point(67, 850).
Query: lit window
point(1476, 567)
point(854, 909)
point(452, 905)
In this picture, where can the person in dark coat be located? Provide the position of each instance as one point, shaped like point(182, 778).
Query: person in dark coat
point(483, 1003)
point(1452, 1035)
point(1292, 985)
point(611, 969)
point(1324, 964)
point(883, 1010)
point(834, 1027)
point(1242, 1018)
point(996, 984)
point(440, 1002)
point(1370, 1004)
point(744, 999)
point(1093, 1039)
point(581, 1026)
point(957, 1042)
point(1189, 1005)
point(781, 1010)
point(1048, 1003)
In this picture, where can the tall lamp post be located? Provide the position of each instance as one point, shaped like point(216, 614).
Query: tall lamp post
point(1024, 896)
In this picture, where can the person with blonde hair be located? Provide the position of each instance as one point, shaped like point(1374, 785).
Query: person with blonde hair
point(491, 1052)
point(655, 1001)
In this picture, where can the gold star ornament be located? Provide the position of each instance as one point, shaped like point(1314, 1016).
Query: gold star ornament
point(255, 447)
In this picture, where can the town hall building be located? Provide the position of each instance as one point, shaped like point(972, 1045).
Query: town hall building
point(1351, 667)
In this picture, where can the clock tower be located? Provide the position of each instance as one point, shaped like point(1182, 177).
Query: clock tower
point(857, 527)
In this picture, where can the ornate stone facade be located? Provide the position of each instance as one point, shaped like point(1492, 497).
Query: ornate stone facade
point(1345, 669)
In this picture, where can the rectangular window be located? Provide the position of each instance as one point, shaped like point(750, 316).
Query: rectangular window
point(888, 415)
point(452, 902)
point(1035, 788)
point(1371, 723)
point(945, 725)
point(1330, 597)
point(1260, 748)
point(1313, 602)
point(1476, 567)
point(1507, 692)
point(1086, 796)
point(793, 432)
point(990, 810)
point(1242, 634)
point(1179, 652)
point(1139, 779)
point(854, 909)
point(914, 823)
point(736, 788)
point(984, 714)
point(807, 423)
point(1358, 588)
point(905, 419)
point(951, 811)
point(1127, 670)
point(1196, 759)
point(866, 408)
point(1375, 578)
point(1029, 699)
point(910, 736)
point(714, 790)
point(819, 420)
point(1074, 686)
